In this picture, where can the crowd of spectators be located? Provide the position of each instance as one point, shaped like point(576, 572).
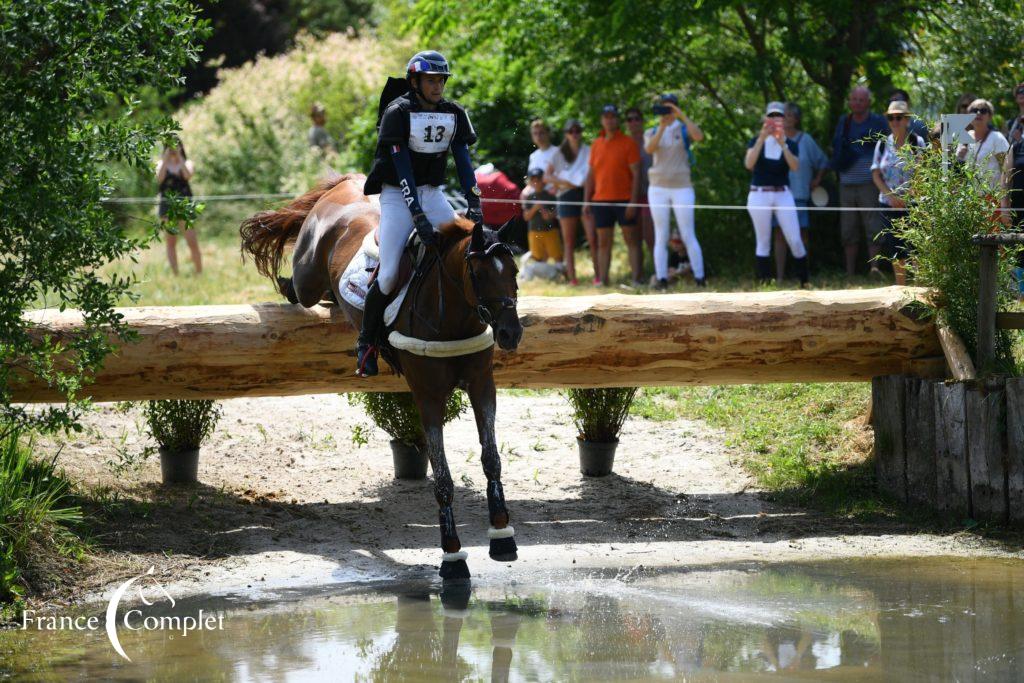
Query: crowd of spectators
point(639, 179)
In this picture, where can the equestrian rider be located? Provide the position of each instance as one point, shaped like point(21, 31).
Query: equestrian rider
point(415, 133)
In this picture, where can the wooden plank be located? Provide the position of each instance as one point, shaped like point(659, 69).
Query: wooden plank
point(888, 398)
point(1015, 448)
point(1010, 321)
point(987, 272)
point(589, 341)
point(958, 360)
point(953, 485)
point(986, 451)
point(919, 442)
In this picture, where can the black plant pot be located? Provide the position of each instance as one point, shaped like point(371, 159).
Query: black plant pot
point(596, 458)
point(410, 461)
point(179, 467)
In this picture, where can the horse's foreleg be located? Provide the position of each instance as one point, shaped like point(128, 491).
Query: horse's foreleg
point(453, 561)
point(501, 534)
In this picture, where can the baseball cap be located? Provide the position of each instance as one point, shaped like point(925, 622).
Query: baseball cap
point(572, 123)
point(610, 109)
point(535, 172)
point(669, 97)
point(775, 108)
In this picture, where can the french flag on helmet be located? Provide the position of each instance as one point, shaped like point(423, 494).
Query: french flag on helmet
point(428, 62)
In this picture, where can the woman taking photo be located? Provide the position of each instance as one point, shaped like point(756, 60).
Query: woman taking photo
point(770, 157)
point(173, 172)
point(567, 173)
point(989, 146)
point(892, 177)
point(670, 186)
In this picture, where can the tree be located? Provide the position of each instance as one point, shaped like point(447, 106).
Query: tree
point(72, 71)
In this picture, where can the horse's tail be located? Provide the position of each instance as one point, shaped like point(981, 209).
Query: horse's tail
point(267, 234)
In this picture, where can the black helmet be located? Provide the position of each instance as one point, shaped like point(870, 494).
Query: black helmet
point(428, 62)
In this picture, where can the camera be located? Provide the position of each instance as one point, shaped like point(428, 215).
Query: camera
point(661, 110)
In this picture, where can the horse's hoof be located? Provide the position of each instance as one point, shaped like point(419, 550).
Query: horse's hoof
point(504, 549)
point(454, 572)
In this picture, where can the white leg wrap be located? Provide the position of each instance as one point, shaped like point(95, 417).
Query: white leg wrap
point(454, 613)
point(507, 532)
point(454, 557)
point(510, 643)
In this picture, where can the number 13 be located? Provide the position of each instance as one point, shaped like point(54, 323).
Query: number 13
point(438, 135)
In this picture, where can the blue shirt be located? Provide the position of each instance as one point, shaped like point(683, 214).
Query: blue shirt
point(771, 172)
point(812, 160)
point(863, 137)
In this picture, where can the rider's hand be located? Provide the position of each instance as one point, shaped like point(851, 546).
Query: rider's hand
point(424, 229)
point(474, 214)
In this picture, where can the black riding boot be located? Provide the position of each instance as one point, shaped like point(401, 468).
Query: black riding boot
point(763, 269)
point(369, 335)
point(801, 270)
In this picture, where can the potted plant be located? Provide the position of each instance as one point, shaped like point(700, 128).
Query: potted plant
point(180, 428)
point(397, 415)
point(599, 415)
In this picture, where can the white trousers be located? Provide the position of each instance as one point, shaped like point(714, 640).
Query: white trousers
point(681, 200)
point(396, 226)
point(760, 206)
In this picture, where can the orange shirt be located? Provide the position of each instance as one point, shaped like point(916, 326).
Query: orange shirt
point(609, 160)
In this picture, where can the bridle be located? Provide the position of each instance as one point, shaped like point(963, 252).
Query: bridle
point(484, 303)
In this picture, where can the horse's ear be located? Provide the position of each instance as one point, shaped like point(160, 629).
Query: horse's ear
point(507, 233)
point(476, 242)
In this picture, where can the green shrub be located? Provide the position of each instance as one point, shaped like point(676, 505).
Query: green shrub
point(948, 208)
point(397, 415)
point(600, 413)
point(31, 512)
point(181, 425)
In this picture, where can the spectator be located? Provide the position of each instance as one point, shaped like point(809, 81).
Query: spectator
point(964, 102)
point(770, 157)
point(988, 148)
point(803, 181)
point(852, 146)
point(545, 152)
point(318, 135)
point(635, 124)
point(1013, 182)
point(568, 174)
point(613, 182)
point(1015, 126)
point(917, 126)
point(173, 172)
point(539, 212)
point(891, 176)
point(669, 144)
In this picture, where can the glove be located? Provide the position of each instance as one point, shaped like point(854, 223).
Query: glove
point(474, 214)
point(425, 230)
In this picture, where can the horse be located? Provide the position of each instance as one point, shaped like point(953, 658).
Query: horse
point(468, 288)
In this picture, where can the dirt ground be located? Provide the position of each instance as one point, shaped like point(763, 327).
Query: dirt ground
point(288, 498)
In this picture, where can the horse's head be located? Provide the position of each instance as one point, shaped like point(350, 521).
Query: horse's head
point(492, 287)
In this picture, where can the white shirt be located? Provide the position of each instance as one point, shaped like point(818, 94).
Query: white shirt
point(541, 158)
point(576, 172)
point(984, 155)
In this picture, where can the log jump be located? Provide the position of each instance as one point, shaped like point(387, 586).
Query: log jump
point(214, 352)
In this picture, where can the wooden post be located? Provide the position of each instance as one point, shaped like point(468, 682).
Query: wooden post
point(888, 399)
point(1015, 448)
point(986, 447)
point(953, 485)
point(987, 272)
point(920, 441)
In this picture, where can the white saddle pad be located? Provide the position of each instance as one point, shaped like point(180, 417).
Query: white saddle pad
point(355, 280)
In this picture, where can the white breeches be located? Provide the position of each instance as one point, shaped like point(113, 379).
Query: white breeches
point(396, 226)
point(681, 200)
point(760, 206)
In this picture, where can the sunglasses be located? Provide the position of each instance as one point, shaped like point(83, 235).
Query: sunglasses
point(979, 110)
point(895, 117)
point(575, 131)
point(775, 115)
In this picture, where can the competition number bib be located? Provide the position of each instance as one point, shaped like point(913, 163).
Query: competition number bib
point(430, 132)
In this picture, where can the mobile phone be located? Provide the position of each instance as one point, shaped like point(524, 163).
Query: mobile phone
point(661, 110)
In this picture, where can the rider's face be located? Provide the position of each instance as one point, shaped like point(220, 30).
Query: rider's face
point(432, 87)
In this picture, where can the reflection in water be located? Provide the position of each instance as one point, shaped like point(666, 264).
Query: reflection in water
point(935, 619)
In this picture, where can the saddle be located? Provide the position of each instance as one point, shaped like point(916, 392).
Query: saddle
point(406, 267)
point(365, 267)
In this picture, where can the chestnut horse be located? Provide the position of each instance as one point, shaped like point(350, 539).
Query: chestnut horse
point(468, 284)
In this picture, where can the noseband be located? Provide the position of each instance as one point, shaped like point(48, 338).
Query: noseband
point(484, 303)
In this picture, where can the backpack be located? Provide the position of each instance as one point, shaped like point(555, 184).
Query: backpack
point(843, 155)
point(393, 89)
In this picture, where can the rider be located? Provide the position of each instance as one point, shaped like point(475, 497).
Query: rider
point(415, 133)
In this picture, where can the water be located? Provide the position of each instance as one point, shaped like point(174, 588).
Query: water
point(908, 619)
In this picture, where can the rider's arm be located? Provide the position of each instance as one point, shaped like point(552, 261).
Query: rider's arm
point(406, 179)
point(464, 167)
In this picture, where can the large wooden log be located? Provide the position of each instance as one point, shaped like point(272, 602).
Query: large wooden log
point(591, 341)
point(888, 402)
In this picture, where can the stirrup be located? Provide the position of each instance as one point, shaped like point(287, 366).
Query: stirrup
point(366, 357)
